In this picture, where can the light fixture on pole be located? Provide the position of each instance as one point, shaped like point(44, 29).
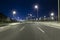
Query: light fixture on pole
point(14, 12)
point(52, 16)
point(36, 7)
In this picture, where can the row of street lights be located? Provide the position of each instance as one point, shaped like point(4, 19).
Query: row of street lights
point(36, 7)
point(52, 14)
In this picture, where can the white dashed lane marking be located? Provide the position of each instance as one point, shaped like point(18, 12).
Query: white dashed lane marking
point(41, 30)
point(21, 28)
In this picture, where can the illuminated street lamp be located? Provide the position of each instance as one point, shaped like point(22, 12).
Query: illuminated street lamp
point(52, 18)
point(14, 12)
point(36, 7)
point(52, 14)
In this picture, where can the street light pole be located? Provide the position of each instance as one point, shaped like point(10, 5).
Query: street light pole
point(36, 7)
point(14, 12)
point(37, 12)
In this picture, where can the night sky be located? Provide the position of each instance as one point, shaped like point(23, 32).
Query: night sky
point(24, 7)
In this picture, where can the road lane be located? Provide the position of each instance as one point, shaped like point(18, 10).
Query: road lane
point(9, 33)
point(40, 33)
point(30, 31)
point(53, 33)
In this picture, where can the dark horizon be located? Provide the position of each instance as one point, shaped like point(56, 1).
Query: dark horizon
point(24, 7)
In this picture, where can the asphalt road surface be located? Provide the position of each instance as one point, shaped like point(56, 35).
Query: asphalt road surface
point(30, 31)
